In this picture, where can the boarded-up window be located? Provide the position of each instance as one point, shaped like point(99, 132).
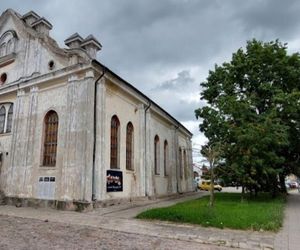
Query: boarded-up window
point(129, 146)
point(9, 118)
point(2, 119)
point(50, 138)
point(114, 142)
point(166, 156)
point(156, 155)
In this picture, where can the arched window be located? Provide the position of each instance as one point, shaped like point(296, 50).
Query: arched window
point(9, 118)
point(9, 46)
point(180, 163)
point(50, 138)
point(156, 155)
point(8, 42)
point(184, 162)
point(2, 119)
point(3, 49)
point(129, 146)
point(114, 142)
point(166, 156)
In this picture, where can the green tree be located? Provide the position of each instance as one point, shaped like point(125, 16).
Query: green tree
point(213, 155)
point(253, 107)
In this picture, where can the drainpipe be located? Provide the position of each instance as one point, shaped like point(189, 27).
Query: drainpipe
point(95, 135)
point(145, 153)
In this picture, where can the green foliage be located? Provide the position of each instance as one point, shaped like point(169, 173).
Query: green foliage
point(262, 212)
point(254, 111)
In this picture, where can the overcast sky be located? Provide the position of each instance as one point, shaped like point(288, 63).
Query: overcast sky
point(165, 48)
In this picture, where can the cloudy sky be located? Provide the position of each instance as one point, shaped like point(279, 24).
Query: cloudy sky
point(165, 48)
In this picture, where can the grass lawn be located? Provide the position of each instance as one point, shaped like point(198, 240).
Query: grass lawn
point(261, 212)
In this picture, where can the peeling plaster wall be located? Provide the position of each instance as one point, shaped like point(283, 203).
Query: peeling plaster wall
point(69, 90)
point(127, 109)
point(142, 181)
point(73, 102)
point(171, 183)
point(5, 146)
point(32, 54)
point(186, 183)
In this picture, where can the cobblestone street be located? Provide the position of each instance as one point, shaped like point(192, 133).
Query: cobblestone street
point(22, 233)
point(115, 228)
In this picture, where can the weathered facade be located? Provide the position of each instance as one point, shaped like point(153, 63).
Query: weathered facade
point(73, 131)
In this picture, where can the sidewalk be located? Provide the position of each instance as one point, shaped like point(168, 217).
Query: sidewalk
point(289, 237)
point(120, 218)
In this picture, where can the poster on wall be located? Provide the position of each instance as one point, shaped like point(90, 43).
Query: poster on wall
point(114, 181)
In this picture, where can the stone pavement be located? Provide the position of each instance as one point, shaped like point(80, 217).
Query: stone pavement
point(289, 236)
point(120, 218)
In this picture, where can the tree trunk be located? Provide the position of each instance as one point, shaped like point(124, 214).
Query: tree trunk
point(282, 183)
point(243, 193)
point(212, 178)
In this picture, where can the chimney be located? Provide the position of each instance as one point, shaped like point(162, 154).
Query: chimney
point(30, 17)
point(42, 26)
point(74, 41)
point(91, 45)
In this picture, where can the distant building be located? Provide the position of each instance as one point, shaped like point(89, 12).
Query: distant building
point(72, 131)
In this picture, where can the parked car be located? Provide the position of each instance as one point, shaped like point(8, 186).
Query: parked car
point(293, 184)
point(205, 185)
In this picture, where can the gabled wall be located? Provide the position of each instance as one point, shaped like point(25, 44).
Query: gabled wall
point(69, 89)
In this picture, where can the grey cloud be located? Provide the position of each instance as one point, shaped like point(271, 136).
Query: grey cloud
point(183, 81)
point(181, 109)
point(270, 18)
point(184, 110)
point(174, 95)
point(144, 40)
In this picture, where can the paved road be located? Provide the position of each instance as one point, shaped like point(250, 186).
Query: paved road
point(289, 237)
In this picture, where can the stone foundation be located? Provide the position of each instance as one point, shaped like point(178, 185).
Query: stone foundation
point(79, 206)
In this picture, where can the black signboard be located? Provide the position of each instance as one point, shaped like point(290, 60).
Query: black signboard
point(114, 181)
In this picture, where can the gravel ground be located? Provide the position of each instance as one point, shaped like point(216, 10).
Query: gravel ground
point(23, 233)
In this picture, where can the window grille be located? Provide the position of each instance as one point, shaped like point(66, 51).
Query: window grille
point(129, 146)
point(156, 155)
point(180, 163)
point(166, 154)
point(114, 142)
point(50, 138)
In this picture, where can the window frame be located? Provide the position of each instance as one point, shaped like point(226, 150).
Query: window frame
point(115, 142)
point(185, 163)
point(50, 139)
point(2, 119)
point(9, 120)
point(156, 155)
point(180, 163)
point(8, 117)
point(166, 157)
point(129, 147)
